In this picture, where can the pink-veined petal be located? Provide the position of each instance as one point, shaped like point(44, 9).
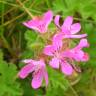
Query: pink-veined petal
point(75, 28)
point(39, 63)
point(37, 79)
point(67, 53)
point(65, 31)
point(85, 57)
point(81, 56)
point(47, 17)
point(67, 22)
point(83, 43)
point(74, 53)
point(40, 24)
point(54, 63)
point(24, 72)
point(57, 41)
point(56, 20)
point(78, 55)
point(48, 50)
point(45, 76)
point(33, 24)
point(75, 36)
point(66, 68)
point(28, 24)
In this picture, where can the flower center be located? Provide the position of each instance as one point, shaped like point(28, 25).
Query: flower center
point(57, 54)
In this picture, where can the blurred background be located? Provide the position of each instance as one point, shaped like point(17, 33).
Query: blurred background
point(18, 42)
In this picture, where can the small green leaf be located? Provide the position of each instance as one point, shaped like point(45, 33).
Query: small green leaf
point(8, 83)
point(30, 35)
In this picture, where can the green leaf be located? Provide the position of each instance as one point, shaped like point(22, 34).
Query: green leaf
point(30, 35)
point(28, 90)
point(34, 41)
point(65, 7)
point(8, 83)
point(57, 82)
point(87, 10)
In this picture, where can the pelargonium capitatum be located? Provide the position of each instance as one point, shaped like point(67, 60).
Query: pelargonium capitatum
point(62, 56)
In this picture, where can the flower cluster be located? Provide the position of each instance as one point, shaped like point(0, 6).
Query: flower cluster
point(61, 55)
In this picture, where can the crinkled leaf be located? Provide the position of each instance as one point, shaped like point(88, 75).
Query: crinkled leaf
point(8, 83)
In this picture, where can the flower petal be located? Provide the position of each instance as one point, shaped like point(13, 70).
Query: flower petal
point(83, 43)
point(66, 68)
point(40, 24)
point(67, 23)
point(33, 24)
point(81, 56)
point(57, 41)
point(65, 31)
point(85, 57)
point(54, 63)
point(78, 55)
point(27, 61)
point(46, 76)
point(56, 20)
point(47, 17)
point(28, 23)
point(24, 72)
point(75, 36)
point(67, 54)
point(48, 50)
point(75, 28)
point(37, 79)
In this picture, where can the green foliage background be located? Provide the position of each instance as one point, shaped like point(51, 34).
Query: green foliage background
point(18, 42)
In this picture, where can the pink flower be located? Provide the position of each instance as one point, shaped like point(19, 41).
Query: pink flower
point(68, 30)
point(38, 69)
point(40, 24)
point(77, 53)
point(55, 51)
